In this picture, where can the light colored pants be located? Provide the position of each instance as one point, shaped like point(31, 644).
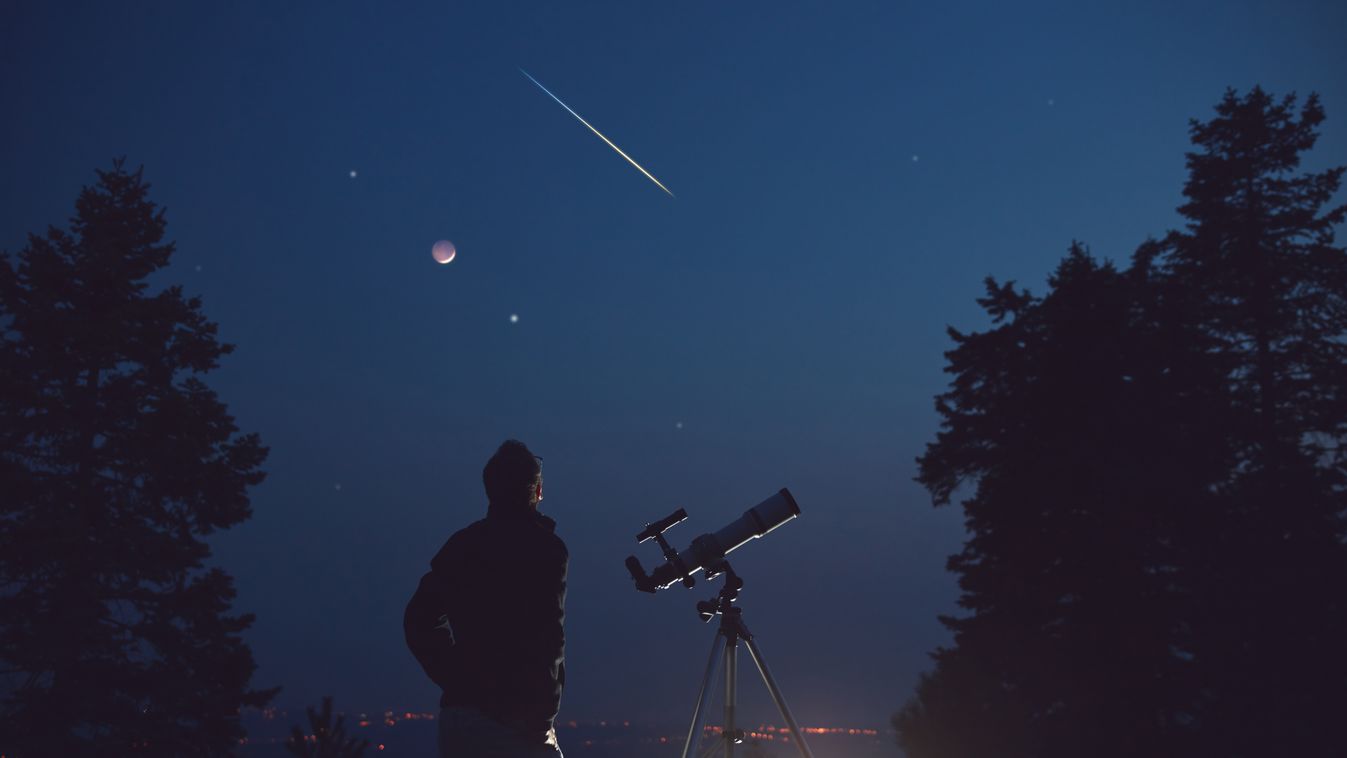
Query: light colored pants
point(469, 733)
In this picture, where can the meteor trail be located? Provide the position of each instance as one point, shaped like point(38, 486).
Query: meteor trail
point(596, 131)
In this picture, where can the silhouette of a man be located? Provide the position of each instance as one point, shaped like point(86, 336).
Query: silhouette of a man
point(486, 623)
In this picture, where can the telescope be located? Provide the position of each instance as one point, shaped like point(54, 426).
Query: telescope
point(709, 550)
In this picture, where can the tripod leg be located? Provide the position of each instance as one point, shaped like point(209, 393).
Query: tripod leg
point(776, 696)
point(731, 675)
point(699, 714)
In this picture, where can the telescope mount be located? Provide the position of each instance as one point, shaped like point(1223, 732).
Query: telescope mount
point(725, 650)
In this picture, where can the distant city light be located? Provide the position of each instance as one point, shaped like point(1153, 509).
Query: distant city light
point(766, 733)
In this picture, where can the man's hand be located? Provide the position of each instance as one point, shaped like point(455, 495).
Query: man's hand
point(444, 624)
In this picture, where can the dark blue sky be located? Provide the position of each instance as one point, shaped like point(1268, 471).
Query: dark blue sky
point(846, 174)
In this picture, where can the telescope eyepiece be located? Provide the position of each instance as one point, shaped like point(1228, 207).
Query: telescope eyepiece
point(643, 581)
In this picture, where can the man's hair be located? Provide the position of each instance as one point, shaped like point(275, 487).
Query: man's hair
point(513, 474)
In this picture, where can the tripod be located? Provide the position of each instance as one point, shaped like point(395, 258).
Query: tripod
point(732, 630)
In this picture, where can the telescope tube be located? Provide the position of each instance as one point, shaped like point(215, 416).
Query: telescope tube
point(710, 548)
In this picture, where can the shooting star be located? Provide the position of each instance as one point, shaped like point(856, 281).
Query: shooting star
point(596, 131)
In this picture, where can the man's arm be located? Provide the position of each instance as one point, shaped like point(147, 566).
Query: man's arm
point(545, 648)
point(554, 627)
point(426, 626)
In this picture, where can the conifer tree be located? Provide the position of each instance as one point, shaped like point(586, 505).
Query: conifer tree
point(1052, 418)
point(116, 459)
point(327, 738)
point(1257, 270)
point(1158, 508)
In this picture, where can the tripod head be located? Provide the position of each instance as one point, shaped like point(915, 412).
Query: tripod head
point(723, 602)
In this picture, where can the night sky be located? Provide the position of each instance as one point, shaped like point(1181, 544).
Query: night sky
point(846, 174)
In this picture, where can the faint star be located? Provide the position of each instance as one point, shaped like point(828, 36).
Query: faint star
point(1051, 101)
point(338, 486)
point(678, 425)
point(353, 174)
point(914, 159)
point(514, 318)
point(198, 267)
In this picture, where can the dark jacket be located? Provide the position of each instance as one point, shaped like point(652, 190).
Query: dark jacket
point(486, 622)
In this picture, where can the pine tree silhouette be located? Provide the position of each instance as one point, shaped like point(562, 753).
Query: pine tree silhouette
point(115, 460)
point(1257, 269)
point(326, 738)
point(1052, 412)
point(1156, 482)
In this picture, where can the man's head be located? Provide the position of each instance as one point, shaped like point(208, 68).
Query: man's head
point(514, 476)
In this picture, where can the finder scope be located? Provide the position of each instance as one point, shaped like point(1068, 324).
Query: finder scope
point(709, 549)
